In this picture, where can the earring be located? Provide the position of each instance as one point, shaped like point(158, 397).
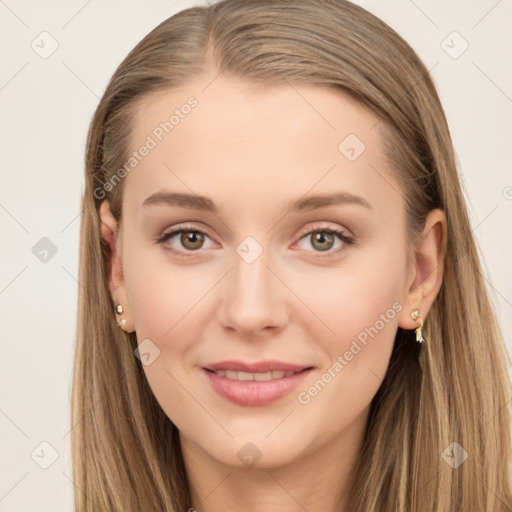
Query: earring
point(119, 311)
point(416, 315)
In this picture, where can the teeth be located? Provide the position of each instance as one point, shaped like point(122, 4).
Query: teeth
point(260, 377)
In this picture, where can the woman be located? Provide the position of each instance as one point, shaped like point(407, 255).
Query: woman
point(282, 306)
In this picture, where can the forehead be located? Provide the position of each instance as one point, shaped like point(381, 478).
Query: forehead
point(223, 135)
point(236, 107)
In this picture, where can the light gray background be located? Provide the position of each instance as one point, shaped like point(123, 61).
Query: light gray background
point(46, 106)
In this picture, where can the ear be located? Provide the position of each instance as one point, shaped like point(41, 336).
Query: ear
point(426, 268)
point(117, 286)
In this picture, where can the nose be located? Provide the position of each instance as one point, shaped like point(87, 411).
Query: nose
point(253, 299)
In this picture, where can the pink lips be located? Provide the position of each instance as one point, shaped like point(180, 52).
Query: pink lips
point(252, 392)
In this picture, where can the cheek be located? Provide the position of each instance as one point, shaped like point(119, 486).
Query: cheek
point(357, 312)
point(362, 291)
point(166, 301)
point(162, 295)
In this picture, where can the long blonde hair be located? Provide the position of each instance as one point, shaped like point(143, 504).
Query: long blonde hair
point(455, 389)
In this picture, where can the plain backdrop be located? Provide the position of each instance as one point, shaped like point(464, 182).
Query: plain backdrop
point(47, 101)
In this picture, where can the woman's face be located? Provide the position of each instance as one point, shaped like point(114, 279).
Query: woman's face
point(293, 253)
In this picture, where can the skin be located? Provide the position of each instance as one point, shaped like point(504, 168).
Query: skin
point(252, 150)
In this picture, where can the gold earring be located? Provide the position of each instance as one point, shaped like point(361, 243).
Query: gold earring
point(417, 316)
point(119, 311)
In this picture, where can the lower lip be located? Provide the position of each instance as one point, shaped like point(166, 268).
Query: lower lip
point(254, 393)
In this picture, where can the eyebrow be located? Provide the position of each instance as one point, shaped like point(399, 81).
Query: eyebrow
point(202, 203)
point(191, 201)
point(322, 200)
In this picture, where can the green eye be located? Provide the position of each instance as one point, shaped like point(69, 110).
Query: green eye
point(192, 240)
point(328, 241)
point(322, 240)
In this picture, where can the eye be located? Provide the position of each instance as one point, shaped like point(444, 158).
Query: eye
point(183, 241)
point(188, 238)
point(323, 240)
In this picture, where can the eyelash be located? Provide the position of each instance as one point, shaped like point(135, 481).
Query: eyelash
point(342, 235)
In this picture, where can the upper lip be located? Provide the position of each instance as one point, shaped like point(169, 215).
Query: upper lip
point(257, 367)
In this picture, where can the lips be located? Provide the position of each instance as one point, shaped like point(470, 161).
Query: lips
point(258, 367)
point(254, 384)
point(257, 376)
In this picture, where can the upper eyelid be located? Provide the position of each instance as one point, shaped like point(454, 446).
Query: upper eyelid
point(301, 232)
point(318, 228)
point(168, 233)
